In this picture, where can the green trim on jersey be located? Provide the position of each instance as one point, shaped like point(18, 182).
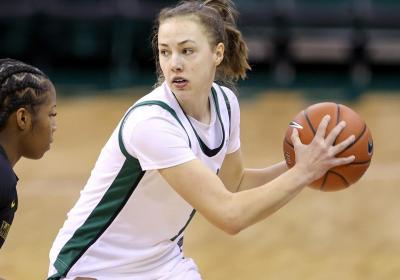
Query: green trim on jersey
point(148, 103)
point(109, 206)
point(100, 218)
point(228, 106)
point(206, 150)
point(117, 196)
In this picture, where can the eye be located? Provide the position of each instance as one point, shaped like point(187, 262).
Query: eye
point(187, 51)
point(53, 115)
point(163, 52)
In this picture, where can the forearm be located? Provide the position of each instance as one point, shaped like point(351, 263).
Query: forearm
point(258, 203)
point(252, 178)
point(232, 211)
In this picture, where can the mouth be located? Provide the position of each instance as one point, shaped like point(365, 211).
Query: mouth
point(179, 82)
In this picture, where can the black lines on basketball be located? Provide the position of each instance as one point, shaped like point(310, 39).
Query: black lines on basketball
point(361, 134)
point(360, 162)
point(337, 118)
point(333, 173)
point(309, 122)
point(340, 176)
point(287, 142)
point(337, 114)
point(324, 181)
point(355, 141)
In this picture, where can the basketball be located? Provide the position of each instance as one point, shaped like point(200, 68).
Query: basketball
point(307, 122)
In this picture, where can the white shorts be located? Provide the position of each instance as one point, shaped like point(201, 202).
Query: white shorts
point(186, 269)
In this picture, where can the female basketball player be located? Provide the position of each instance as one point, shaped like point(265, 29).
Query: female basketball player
point(175, 152)
point(27, 124)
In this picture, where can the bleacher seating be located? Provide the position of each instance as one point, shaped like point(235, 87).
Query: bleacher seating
point(284, 36)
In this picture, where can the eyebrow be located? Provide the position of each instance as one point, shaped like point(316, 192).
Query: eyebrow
point(180, 43)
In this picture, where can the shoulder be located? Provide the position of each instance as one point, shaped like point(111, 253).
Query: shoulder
point(229, 98)
point(160, 93)
point(157, 103)
point(227, 92)
point(153, 115)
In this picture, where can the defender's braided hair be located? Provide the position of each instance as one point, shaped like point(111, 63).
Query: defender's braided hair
point(21, 85)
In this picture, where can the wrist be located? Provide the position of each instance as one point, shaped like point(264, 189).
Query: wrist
point(302, 175)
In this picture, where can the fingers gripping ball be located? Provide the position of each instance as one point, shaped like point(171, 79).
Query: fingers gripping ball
point(307, 122)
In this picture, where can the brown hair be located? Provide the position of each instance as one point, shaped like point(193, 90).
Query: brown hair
point(219, 19)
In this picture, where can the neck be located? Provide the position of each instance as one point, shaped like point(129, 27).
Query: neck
point(10, 149)
point(195, 105)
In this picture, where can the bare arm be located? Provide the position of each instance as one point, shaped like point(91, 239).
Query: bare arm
point(237, 178)
point(229, 211)
point(232, 212)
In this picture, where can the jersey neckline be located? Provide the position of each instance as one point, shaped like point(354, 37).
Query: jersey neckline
point(207, 150)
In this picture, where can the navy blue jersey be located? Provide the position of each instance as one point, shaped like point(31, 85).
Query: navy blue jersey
point(8, 195)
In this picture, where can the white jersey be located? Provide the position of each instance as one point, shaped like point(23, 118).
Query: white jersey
point(128, 222)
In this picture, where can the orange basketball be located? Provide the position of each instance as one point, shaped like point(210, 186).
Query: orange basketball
point(307, 122)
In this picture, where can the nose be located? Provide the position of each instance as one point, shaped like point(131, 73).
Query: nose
point(176, 63)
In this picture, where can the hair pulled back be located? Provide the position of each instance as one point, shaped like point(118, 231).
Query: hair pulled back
point(218, 17)
point(21, 85)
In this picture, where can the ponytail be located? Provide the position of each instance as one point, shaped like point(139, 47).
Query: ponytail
point(235, 64)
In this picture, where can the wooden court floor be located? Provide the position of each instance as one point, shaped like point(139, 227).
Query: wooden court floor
point(348, 235)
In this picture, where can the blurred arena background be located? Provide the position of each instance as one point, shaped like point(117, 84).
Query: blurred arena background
point(98, 54)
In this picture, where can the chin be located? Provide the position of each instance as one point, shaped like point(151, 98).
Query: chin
point(37, 155)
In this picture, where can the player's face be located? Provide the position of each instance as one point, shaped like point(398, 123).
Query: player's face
point(187, 59)
point(40, 134)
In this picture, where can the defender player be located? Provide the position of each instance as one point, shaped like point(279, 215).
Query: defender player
point(27, 124)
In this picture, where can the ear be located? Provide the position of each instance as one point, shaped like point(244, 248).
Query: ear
point(23, 118)
point(219, 53)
